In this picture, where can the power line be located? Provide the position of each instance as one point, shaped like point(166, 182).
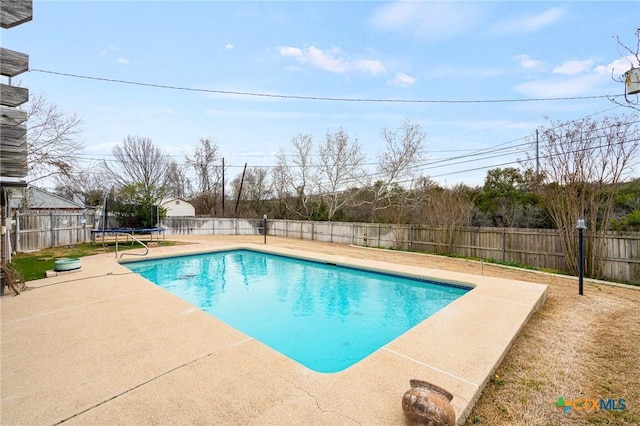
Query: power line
point(496, 151)
point(483, 167)
point(504, 148)
point(319, 98)
point(548, 156)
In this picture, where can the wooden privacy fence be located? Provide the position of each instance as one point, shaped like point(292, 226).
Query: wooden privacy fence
point(35, 230)
point(540, 248)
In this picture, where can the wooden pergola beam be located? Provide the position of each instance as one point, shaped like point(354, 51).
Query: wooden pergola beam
point(15, 12)
point(11, 116)
point(13, 63)
point(13, 96)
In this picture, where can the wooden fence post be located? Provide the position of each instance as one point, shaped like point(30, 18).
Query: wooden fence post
point(352, 233)
point(83, 220)
point(410, 237)
point(52, 224)
point(475, 241)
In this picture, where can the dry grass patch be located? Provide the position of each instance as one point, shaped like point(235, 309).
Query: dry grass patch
point(575, 347)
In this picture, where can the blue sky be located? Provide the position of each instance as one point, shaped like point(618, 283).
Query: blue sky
point(425, 51)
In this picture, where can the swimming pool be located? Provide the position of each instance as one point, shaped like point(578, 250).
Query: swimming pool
point(323, 316)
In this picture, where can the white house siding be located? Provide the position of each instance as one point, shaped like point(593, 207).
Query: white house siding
point(178, 207)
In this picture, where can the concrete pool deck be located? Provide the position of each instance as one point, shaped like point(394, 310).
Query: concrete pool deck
point(103, 345)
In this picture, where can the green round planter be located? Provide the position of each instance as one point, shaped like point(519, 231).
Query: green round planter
point(66, 265)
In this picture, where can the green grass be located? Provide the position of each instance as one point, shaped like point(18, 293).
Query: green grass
point(33, 266)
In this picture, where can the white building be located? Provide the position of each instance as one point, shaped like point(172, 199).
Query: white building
point(178, 207)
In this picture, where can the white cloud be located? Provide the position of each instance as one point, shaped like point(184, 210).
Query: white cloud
point(110, 49)
point(332, 60)
point(371, 66)
point(617, 67)
point(529, 64)
point(104, 51)
point(560, 87)
point(430, 20)
point(290, 51)
point(325, 60)
point(575, 78)
point(572, 67)
point(403, 80)
point(531, 23)
point(228, 46)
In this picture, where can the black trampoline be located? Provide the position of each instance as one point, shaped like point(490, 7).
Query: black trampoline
point(131, 231)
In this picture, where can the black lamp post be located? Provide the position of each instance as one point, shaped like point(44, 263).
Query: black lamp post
point(264, 226)
point(580, 227)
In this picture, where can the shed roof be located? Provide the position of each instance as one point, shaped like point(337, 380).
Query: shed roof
point(37, 198)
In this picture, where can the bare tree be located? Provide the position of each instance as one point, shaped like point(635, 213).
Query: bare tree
point(88, 184)
point(340, 166)
point(52, 139)
point(632, 56)
point(141, 164)
point(256, 189)
point(582, 162)
point(448, 210)
point(405, 150)
point(176, 182)
point(207, 165)
point(280, 185)
point(404, 204)
point(295, 177)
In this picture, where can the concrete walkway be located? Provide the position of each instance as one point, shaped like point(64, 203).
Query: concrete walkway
point(104, 345)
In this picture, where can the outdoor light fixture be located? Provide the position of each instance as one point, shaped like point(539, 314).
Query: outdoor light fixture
point(264, 225)
point(580, 226)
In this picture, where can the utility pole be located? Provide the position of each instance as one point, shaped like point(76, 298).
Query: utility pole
point(537, 154)
point(240, 190)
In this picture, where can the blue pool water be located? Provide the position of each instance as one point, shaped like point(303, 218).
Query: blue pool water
point(325, 317)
